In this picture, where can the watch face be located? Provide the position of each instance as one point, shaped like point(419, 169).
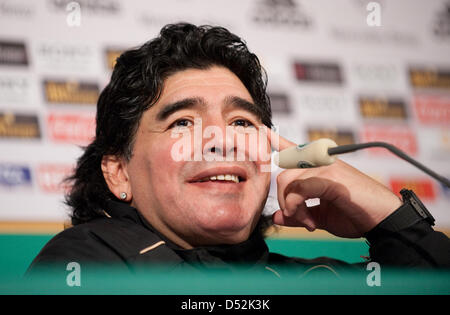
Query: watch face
point(410, 197)
point(420, 208)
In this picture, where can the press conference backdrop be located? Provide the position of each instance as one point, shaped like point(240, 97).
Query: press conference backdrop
point(349, 70)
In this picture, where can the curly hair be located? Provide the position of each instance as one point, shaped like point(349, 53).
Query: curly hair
point(136, 84)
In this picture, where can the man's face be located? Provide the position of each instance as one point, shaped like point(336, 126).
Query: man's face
point(185, 198)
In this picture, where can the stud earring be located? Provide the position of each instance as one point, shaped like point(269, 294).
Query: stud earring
point(123, 195)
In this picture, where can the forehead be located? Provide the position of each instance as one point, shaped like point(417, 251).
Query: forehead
point(213, 83)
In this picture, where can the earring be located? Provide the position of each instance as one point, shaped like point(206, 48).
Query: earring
point(123, 195)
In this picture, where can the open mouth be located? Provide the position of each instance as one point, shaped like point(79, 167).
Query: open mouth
point(234, 178)
point(221, 175)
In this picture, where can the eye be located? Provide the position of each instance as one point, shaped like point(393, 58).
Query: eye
point(242, 123)
point(181, 123)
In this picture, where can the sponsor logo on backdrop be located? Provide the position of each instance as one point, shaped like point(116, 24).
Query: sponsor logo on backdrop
point(445, 139)
point(286, 13)
point(365, 14)
point(441, 27)
point(22, 126)
point(375, 74)
point(154, 19)
point(97, 7)
point(429, 78)
point(280, 103)
point(367, 36)
point(13, 88)
point(58, 55)
point(111, 55)
point(379, 107)
point(16, 9)
point(401, 137)
point(14, 175)
point(340, 136)
point(327, 107)
point(423, 187)
point(318, 72)
point(50, 177)
point(435, 142)
point(432, 109)
point(71, 128)
point(71, 92)
point(323, 103)
point(13, 53)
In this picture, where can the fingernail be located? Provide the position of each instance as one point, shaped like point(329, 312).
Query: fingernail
point(310, 226)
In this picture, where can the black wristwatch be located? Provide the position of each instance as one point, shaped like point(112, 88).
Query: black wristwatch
point(411, 212)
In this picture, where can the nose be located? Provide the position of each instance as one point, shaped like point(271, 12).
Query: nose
point(220, 143)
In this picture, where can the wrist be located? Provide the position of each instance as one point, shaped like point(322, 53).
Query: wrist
point(410, 212)
point(394, 203)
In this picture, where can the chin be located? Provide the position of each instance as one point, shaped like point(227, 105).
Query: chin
point(229, 231)
point(224, 238)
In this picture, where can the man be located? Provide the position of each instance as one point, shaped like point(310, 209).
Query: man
point(136, 202)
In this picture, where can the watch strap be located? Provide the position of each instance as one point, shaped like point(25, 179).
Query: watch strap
point(411, 212)
point(403, 217)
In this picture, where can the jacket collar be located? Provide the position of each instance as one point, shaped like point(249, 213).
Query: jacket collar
point(250, 252)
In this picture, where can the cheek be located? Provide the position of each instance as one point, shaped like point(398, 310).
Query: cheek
point(260, 187)
point(254, 145)
point(152, 166)
point(164, 166)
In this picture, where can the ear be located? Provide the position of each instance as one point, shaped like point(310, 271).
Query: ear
point(116, 176)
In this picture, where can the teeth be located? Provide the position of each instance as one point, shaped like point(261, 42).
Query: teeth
point(227, 177)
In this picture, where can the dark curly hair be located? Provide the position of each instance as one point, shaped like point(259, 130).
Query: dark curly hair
point(136, 84)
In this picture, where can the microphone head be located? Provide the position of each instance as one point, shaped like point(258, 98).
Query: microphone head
point(313, 154)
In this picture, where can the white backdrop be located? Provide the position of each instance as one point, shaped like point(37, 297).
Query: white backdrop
point(332, 73)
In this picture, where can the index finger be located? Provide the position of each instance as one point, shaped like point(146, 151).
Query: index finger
point(277, 142)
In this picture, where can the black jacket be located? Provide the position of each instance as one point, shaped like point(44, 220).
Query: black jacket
point(126, 240)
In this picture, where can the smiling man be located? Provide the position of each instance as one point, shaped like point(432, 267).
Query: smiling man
point(136, 202)
point(192, 202)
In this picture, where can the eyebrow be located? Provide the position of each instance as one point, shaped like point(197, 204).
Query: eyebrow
point(192, 102)
point(186, 103)
point(241, 103)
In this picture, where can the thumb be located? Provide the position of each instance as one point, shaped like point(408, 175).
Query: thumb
point(297, 220)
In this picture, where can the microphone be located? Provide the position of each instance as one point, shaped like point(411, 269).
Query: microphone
point(322, 152)
point(313, 154)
